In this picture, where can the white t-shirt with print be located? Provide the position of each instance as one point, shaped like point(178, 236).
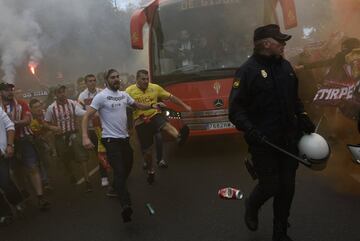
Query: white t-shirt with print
point(111, 106)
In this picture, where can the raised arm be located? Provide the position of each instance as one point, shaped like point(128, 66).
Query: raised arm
point(179, 102)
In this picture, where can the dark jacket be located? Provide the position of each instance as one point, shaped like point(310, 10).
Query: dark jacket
point(265, 96)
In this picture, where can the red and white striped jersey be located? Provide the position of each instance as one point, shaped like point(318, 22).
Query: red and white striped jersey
point(85, 99)
point(64, 115)
point(17, 110)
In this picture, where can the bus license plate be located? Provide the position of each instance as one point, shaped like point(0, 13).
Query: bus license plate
point(220, 125)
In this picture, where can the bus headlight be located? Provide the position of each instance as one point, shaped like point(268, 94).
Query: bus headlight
point(172, 114)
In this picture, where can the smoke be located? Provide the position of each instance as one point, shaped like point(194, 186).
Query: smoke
point(341, 169)
point(320, 19)
point(124, 4)
point(19, 39)
point(66, 39)
point(347, 13)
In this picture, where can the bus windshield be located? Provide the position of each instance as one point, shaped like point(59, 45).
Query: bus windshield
point(202, 38)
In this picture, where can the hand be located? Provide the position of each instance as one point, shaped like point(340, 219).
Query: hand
point(254, 136)
point(159, 105)
point(9, 151)
point(305, 124)
point(87, 143)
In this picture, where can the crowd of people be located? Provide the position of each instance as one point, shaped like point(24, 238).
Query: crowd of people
point(98, 120)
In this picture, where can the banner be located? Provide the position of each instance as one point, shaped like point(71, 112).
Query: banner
point(342, 88)
point(289, 13)
point(269, 11)
point(344, 95)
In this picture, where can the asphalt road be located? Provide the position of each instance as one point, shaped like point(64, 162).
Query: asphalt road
point(187, 208)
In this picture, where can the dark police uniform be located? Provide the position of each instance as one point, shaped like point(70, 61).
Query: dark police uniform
point(264, 103)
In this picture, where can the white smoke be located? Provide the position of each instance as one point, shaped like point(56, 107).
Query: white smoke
point(19, 40)
point(123, 4)
point(64, 36)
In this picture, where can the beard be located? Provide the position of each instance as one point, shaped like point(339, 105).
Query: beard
point(114, 87)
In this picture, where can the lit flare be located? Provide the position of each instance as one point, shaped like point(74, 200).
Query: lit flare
point(32, 66)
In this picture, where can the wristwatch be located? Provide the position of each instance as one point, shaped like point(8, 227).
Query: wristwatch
point(12, 145)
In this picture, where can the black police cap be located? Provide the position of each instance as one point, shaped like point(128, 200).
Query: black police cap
point(270, 31)
point(5, 86)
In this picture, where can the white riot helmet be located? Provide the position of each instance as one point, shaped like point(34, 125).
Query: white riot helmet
point(314, 149)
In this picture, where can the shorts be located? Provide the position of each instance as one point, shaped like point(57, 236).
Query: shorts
point(25, 152)
point(70, 145)
point(43, 150)
point(146, 131)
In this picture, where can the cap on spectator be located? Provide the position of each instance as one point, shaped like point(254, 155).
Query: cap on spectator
point(270, 31)
point(59, 87)
point(6, 86)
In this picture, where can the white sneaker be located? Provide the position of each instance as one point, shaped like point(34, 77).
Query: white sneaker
point(104, 182)
point(162, 164)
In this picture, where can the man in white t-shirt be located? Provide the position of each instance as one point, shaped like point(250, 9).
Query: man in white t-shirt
point(111, 105)
point(85, 99)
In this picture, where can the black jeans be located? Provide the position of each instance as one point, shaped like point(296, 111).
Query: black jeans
point(120, 157)
point(276, 173)
point(7, 188)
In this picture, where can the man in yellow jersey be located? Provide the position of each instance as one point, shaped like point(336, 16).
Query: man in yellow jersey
point(150, 122)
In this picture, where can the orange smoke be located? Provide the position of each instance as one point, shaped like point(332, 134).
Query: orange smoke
point(347, 15)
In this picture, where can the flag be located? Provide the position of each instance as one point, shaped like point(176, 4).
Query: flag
point(269, 11)
point(289, 13)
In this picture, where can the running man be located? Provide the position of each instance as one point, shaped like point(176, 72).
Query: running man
point(63, 113)
point(26, 157)
point(9, 194)
point(111, 105)
point(85, 99)
point(148, 123)
point(41, 131)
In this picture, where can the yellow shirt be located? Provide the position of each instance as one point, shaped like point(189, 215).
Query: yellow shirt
point(37, 127)
point(150, 96)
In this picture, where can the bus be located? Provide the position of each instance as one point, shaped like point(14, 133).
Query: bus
point(195, 47)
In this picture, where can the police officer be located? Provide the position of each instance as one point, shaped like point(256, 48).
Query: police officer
point(264, 104)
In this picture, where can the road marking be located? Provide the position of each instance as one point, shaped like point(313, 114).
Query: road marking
point(92, 172)
point(356, 177)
